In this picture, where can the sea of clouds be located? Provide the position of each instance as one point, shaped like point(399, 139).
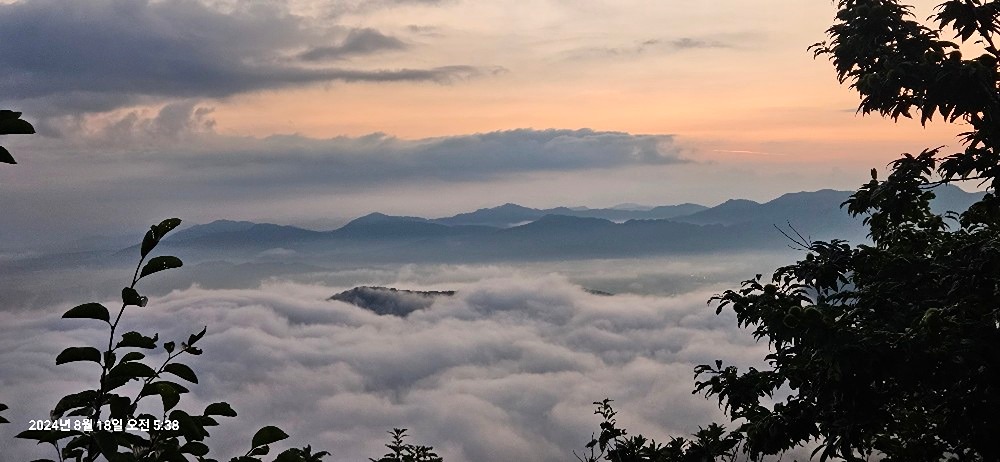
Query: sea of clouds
point(507, 369)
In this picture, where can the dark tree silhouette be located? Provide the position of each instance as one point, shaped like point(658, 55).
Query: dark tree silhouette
point(890, 349)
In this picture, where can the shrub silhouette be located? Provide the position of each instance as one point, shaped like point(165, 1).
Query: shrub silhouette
point(886, 350)
point(106, 420)
point(109, 423)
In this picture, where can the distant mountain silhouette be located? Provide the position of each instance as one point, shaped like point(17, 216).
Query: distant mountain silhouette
point(514, 232)
point(502, 216)
point(215, 227)
point(509, 215)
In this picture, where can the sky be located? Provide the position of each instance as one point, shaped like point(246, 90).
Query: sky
point(313, 112)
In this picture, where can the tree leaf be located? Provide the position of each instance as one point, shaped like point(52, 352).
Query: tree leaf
point(166, 226)
point(15, 127)
point(6, 157)
point(73, 401)
point(89, 311)
point(267, 435)
point(159, 264)
point(193, 338)
point(191, 429)
point(223, 409)
point(130, 297)
point(194, 448)
point(132, 356)
point(289, 455)
point(149, 241)
point(169, 392)
point(181, 371)
point(132, 370)
point(78, 354)
point(136, 340)
point(44, 436)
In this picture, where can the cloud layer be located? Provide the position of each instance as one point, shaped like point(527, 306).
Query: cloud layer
point(505, 370)
point(100, 55)
point(172, 161)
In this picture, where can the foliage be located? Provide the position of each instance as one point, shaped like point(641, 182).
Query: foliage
point(399, 451)
point(886, 350)
point(889, 349)
point(109, 422)
point(12, 124)
point(612, 445)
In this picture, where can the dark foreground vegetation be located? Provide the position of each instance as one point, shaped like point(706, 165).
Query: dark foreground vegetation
point(885, 351)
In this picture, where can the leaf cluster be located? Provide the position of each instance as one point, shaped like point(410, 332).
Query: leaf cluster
point(613, 443)
point(127, 378)
point(889, 350)
point(401, 451)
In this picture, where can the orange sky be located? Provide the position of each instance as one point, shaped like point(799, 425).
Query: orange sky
point(753, 87)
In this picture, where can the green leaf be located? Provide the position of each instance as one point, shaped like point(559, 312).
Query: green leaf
point(181, 371)
point(191, 429)
point(170, 392)
point(6, 157)
point(107, 443)
point(289, 455)
point(3, 420)
point(78, 354)
point(132, 370)
point(155, 233)
point(6, 114)
point(45, 436)
point(166, 226)
point(260, 450)
point(73, 401)
point(121, 407)
point(267, 435)
point(223, 409)
point(159, 264)
point(3, 407)
point(194, 448)
point(132, 298)
point(89, 311)
point(15, 127)
point(149, 241)
point(169, 346)
point(136, 340)
point(132, 356)
point(195, 337)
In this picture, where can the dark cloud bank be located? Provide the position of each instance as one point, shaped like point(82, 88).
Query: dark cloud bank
point(68, 57)
point(185, 172)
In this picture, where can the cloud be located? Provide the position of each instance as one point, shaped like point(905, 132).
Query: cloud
point(246, 165)
point(688, 43)
point(504, 370)
point(140, 164)
point(99, 55)
point(358, 41)
point(647, 47)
